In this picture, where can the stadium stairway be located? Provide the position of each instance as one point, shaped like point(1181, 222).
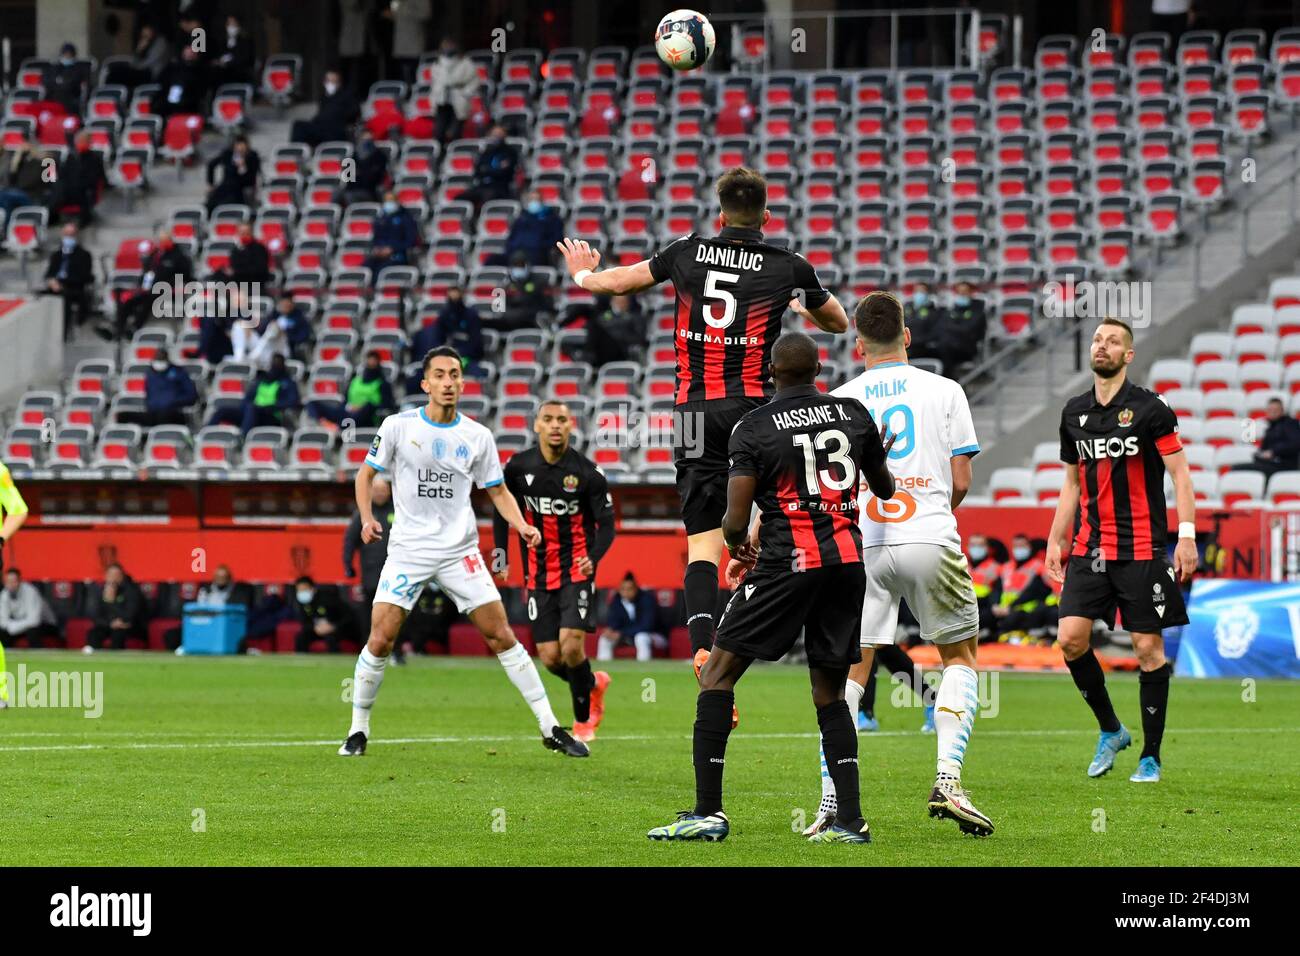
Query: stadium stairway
point(1033, 387)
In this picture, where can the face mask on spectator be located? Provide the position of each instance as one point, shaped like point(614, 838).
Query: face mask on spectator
point(68, 243)
point(305, 595)
point(159, 365)
point(390, 207)
point(331, 89)
point(83, 147)
point(961, 301)
point(369, 374)
point(1020, 553)
point(245, 240)
point(285, 322)
point(919, 299)
point(66, 61)
point(232, 32)
point(978, 553)
point(519, 273)
point(535, 207)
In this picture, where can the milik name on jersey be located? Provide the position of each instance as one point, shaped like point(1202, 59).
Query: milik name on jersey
point(1107, 447)
point(433, 491)
point(729, 258)
point(806, 417)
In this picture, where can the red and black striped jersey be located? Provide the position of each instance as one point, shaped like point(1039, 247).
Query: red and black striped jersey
point(1118, 450)
point(570, 504)
point(732, 291)
point(806, 451)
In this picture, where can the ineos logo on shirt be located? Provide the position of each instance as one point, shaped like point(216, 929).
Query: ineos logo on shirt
point(551, 506)
point(1108, 447)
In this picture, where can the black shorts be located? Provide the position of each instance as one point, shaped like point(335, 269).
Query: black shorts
point(1145, 592)
point(700, 454)
point(569, 607)
point(773, 604)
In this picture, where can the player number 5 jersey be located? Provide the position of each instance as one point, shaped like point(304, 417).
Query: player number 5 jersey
point(931, 419)
point(433, 468)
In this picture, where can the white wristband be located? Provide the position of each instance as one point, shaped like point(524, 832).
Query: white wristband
point(581, 277)
point(1187, 529)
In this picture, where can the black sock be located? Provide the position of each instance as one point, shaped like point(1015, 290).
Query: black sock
point(701, 586)
point(840, 744)
point(898, 663)
point(1153, 694)
point(712, 727)
point(559, 669)
point(581, 681)
point(868, 704)
point(1090, 680)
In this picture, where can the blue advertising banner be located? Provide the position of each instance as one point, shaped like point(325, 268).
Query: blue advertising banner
point(1241, 629)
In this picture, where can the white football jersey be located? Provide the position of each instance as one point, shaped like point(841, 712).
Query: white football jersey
point(432, 469)
point(931, 418)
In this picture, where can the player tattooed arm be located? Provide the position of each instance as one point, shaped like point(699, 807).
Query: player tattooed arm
point(1058, 537)
point(1185, 555)
point(508, 508)
point(371, 530)
point(582, 260)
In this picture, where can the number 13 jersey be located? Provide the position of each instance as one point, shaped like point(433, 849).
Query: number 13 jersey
point(932, 420)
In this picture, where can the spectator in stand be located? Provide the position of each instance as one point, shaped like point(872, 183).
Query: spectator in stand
point(396, 238)
point(66, 80)
point(371, 172)
point(357, 46)
point(458, 325)
point(924, 317)
point(240, 168)
point(494, 170)
point(1279, 449)
point(168, 393)
point(80, 177)
point(535, 231)
point(182, 85)
point(22, 182)
point(290, 317)
point(234, 59)
point(1027, 604)
point(25, 616)
point(337, 112)
point(410, 25)
point(257, 344)
point(325, 616)
point(986, 572)
point(960, 330)
point(225, 590)
point(455, 80)
point(167, 262)
point(369, 398)
point(527, 299)
point(150, 57)
point(70, 274)
point(214, 338)
point(615, 333)
point(272, 394)
point(633, 618)
point(117, 610)
point(249, 261)
point(1173, 17)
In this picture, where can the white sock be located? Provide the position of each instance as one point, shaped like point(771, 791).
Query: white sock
point(644, 646)
point(853, 692)
point(605, 648)
point(523, 674)
point(366, 679)
point(954, 715)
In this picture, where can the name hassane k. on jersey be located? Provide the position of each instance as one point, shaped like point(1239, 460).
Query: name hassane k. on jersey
point(432, 469)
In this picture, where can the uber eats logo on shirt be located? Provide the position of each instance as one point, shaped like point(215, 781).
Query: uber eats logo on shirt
point(434, 483)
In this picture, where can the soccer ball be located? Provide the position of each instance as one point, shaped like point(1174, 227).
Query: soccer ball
point(684, 40)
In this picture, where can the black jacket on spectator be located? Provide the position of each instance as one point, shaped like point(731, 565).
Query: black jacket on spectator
point(191, 78)
point(78, 181)
point(235, 183)
point(337, 111)
point(249, 263)
point(327, 603)
point(1282, 438)
point(79, 272)
point(23, 173)
point(959, 334)
point(925, 322)
point(127, 605)
point(214, 339)
point(239, 68)
point(614, 336)
point(64, 84)
point(373, 554)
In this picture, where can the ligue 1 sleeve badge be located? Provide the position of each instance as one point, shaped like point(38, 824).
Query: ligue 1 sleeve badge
point(1125, 417)
point(570, 482)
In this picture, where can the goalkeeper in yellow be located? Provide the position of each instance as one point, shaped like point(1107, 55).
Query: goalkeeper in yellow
point(14, 512)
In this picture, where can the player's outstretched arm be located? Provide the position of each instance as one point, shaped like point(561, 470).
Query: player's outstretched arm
point(508, 508)
point(1185, 555)
point(829, 316)
point(371, 530)
point(581, 260)
point(1066, 505)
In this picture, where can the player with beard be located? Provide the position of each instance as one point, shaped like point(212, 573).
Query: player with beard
point(1117, 441)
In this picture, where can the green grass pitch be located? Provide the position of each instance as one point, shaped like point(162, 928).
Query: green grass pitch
point(231, 761)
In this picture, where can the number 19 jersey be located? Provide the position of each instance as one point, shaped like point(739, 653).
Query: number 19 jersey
point(931, 419)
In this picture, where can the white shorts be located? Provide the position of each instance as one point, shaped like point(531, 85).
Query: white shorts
point(935, 582)
point(464, 578)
